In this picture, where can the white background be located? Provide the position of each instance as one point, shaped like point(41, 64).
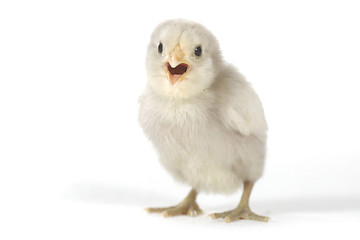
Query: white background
point(74, 163)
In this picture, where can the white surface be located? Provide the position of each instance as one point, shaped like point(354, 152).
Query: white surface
point(75, 165)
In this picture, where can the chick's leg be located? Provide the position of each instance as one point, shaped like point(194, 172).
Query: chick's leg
point(242, 211)
point(187, 206)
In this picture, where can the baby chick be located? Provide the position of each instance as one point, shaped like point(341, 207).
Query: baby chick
point(204, 119)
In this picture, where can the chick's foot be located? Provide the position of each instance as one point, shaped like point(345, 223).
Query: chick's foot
point(187, 207)
point(239, 213)
point(242, 211)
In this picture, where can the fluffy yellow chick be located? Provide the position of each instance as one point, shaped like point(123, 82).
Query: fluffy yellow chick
point(204, 119)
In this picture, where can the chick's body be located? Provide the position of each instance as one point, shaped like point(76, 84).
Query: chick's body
point(195, 142)
point(208, 124)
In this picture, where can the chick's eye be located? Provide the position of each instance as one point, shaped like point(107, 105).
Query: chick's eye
point(198, 51)
point(160, 48)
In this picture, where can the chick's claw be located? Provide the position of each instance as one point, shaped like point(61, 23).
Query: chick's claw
point(187, 207)
point(190, 209)
point(219, 215)
point(157, 210)
point(240, 213)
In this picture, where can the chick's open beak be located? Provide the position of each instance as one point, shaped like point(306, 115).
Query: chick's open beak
point(176, 68)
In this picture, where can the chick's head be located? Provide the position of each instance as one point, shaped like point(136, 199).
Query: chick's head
point(183, 59)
